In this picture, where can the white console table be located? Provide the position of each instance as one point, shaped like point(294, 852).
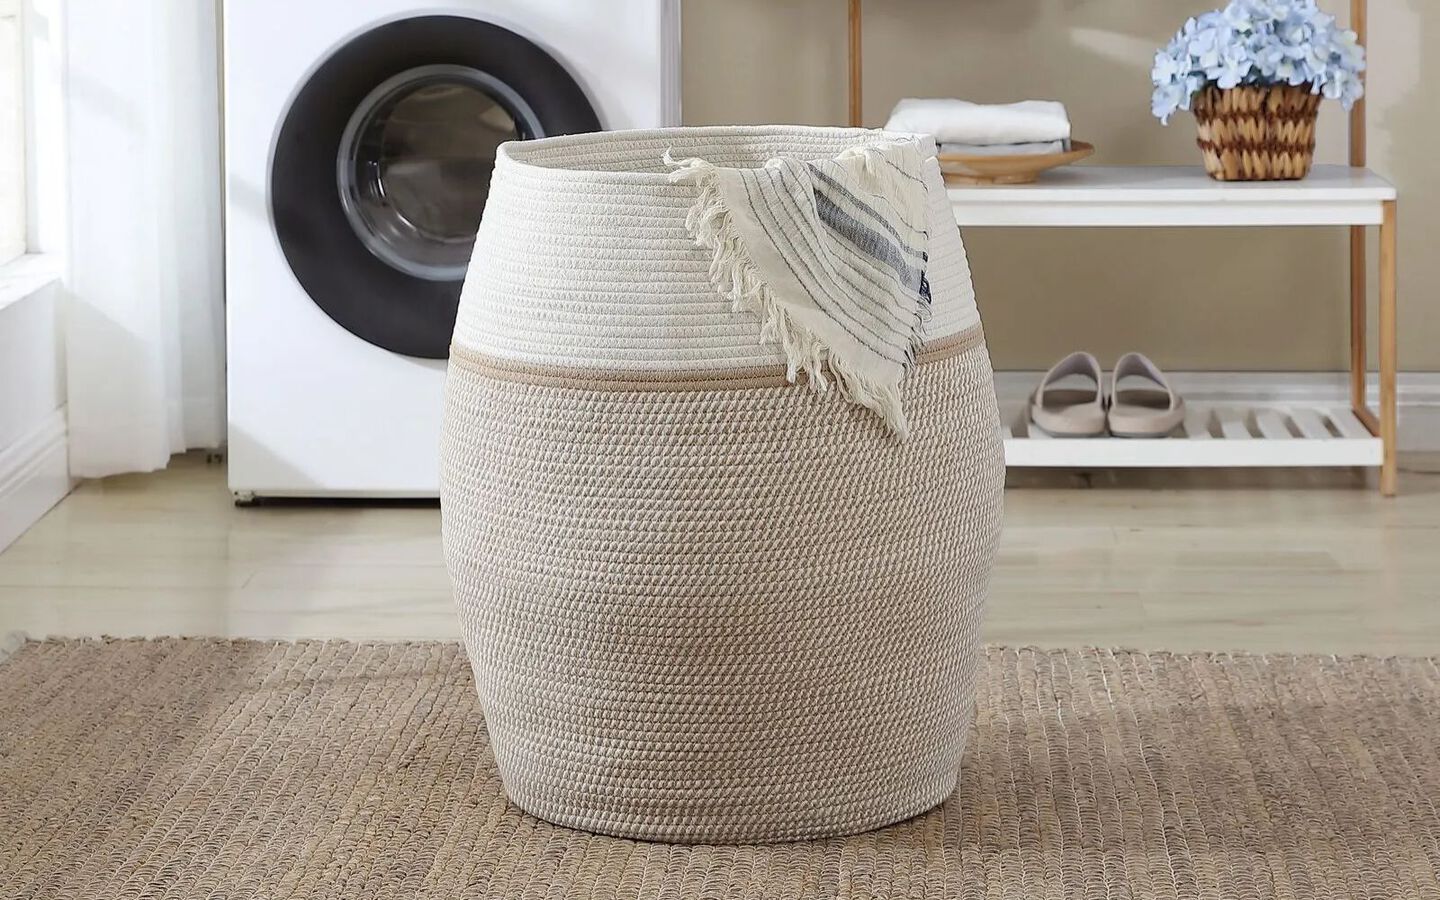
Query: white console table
point(1159, 196)
point(1167, 196)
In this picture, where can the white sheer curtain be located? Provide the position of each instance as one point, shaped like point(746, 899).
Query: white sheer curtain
point(145, 316)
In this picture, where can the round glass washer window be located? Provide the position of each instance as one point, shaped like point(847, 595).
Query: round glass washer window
point(414, 164)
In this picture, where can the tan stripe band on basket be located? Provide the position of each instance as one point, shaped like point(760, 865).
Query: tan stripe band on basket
point(695, 380)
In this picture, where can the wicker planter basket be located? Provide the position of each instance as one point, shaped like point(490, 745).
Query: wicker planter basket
point(1255, 133)
point(702, 603)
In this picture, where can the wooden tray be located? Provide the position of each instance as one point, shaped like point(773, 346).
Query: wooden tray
point(963, 168)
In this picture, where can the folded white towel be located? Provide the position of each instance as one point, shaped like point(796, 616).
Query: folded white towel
point(963, 122)
point(1033, 148)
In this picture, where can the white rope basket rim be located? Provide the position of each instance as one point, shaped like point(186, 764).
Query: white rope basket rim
point(530, 154)
point(583, 259)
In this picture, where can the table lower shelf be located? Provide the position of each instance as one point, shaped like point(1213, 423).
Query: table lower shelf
point(1212, 436)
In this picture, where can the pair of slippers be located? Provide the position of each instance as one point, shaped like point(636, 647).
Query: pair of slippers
point(1146, 407)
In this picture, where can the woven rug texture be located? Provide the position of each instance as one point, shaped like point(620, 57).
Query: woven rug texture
point(203, 768)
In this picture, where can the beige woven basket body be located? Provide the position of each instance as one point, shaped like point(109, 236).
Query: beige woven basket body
point(1254, 133)
point(702, 603)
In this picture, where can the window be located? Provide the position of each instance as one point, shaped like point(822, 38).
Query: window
point(12, 132)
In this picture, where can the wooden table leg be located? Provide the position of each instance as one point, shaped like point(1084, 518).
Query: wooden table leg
point(857, 113)
point(1358, 290)
point(1388, 341)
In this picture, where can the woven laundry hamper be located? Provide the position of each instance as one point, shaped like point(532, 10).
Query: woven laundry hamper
point(704, 604)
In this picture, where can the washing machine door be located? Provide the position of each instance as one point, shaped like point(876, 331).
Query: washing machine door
point(382, 164)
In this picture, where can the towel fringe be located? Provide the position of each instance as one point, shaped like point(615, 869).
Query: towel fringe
point(735, 276)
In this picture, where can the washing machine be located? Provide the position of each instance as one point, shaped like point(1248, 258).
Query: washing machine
point(359, 140)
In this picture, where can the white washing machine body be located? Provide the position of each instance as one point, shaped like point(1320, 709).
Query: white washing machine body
point(320, 408)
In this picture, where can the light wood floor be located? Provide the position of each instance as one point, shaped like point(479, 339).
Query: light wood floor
point(1304, 561)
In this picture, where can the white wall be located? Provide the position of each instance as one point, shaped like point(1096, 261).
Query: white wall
point(32, 385)
point(34, 465)
point(34, 471)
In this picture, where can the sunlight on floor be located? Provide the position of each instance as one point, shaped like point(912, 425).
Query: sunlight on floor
point(1301, 561)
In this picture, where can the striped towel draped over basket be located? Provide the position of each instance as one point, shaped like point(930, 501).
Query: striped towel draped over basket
point(832, 255)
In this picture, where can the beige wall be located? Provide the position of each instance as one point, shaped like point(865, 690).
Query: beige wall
point(1192, 298)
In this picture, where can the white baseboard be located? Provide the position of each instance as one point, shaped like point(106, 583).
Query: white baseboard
point(34, 476)
point(1418, 395)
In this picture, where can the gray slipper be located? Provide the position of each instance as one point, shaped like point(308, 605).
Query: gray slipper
point(1143, 412)
point(1070, 412)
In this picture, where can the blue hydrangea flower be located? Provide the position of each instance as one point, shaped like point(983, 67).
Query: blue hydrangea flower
point(1258, 42)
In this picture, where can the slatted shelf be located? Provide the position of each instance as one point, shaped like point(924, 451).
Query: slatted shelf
point(1211, 436)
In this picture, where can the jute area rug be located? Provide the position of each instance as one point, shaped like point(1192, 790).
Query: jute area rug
point(200, 768)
